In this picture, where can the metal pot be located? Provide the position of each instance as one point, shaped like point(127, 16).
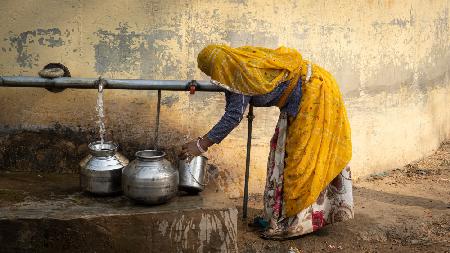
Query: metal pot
point(101, 170)
point(150, 178)
point(192, 174)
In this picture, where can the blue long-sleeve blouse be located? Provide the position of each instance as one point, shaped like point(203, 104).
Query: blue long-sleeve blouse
point(236, 105)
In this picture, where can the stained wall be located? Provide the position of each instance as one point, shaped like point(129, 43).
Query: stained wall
point(391, 59)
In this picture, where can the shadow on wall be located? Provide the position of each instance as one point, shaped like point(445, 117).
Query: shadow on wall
point(55, 150)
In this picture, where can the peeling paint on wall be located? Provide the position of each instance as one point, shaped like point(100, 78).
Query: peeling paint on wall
point(44, 37)
point(441, 24)
point(170, 100)
point(240, 38)
point(124, 50)
point(117, 50)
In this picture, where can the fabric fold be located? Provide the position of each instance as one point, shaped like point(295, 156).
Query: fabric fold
point(318, 143)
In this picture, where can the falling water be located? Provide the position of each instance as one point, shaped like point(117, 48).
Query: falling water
point(100, 113)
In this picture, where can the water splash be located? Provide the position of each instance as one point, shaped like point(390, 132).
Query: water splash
point(101, 113)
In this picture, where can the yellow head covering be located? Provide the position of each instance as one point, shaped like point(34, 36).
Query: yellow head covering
point(249, 70)
point(318, 143)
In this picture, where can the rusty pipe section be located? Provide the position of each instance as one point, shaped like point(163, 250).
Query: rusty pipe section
point(91, 83)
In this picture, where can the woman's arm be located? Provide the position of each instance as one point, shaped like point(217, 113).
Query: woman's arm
point(234, 112)
point(236, 105)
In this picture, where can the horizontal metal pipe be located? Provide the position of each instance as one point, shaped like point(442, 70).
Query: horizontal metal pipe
point(90, 83)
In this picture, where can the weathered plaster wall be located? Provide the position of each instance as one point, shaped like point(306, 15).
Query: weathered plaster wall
point(390, 57)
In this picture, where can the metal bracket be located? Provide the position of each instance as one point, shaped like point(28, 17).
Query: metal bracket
point(101, 83)
point(192, 86)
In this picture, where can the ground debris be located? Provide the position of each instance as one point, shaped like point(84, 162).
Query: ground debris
point(403, 210)
point(294, 249)
point(377, 176)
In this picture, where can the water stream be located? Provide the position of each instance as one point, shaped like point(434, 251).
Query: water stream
point(100, 113)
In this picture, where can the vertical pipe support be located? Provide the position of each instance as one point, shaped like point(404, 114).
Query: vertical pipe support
point(158, 112)
point(250, 117)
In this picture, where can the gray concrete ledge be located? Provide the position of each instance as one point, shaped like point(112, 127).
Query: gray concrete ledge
point(46, 213)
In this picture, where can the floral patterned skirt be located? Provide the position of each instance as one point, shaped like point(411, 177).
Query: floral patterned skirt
point(334, 204)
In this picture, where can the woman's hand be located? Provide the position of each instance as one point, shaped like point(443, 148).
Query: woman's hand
point(190, 148)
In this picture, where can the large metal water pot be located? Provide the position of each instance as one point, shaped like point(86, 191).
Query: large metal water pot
point(192, 174)
point(150, 178)
point(101, 170)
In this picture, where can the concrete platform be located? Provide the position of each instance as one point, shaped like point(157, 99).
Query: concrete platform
point(48, 213)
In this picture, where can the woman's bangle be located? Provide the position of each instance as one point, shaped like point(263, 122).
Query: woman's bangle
point(200, 146)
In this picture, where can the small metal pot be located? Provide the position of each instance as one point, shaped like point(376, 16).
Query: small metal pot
point(150, 178)
point(192, 174)
point(101, 171)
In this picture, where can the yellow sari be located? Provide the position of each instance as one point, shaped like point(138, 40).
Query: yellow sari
point(318, 144)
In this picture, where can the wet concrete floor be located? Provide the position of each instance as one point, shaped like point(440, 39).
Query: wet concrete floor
point(56, 193)
point(48, 213)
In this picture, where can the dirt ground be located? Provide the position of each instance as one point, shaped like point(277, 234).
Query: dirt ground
point(404, 210)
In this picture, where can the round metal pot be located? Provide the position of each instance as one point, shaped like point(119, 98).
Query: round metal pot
point(101, 170)
point(150, 178)
point(192, 174)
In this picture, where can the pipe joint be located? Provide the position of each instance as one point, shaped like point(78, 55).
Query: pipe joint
point(101, 84)
point(192, 86)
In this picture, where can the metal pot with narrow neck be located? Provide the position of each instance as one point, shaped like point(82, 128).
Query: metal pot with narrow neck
point(150, 178)
point(101, 170)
